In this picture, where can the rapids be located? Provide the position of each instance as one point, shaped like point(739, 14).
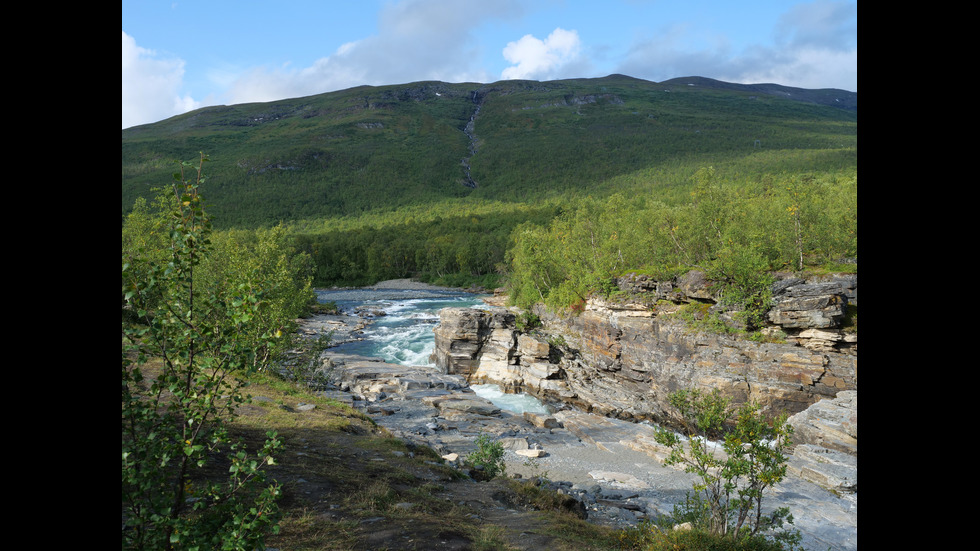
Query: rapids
point(400, 331)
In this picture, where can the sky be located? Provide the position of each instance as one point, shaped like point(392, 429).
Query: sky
point(180, 55)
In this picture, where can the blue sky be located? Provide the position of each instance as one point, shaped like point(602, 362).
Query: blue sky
point(180, 55)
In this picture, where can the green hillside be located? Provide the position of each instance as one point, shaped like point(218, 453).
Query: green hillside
point(377, 148)
point(430, 179)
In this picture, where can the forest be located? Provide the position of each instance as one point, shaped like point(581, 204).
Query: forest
point(575, 182)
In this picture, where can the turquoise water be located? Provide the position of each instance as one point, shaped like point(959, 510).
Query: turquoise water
point(403, 335)
point(517, 403)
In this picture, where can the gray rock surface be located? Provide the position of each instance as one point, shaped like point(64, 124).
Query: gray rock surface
point(623, 361)
point(611, 466)
point(607, 378)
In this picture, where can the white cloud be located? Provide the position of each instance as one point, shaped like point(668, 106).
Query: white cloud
point(821, 25)
point(416, 40)
point(151, 85)
point(537, 59)
point(807, 68)
point(815, 47)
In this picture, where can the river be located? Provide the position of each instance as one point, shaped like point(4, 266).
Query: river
point(401, 326)
point(400, 331)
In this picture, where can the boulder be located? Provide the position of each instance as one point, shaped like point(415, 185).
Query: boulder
point(808, 306)
point(515, 444)
point(530, 347)
point(531, 453)
point(695, 285)
point(465, 335)
point(541, 421)
point(830, 424)
point(465, 403)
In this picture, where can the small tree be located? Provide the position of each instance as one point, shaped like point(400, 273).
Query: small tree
point(488, 456)
point(732, 479)
point(173, 423)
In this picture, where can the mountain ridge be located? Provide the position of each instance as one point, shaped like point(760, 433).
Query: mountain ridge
point(842, 98)
point(371, 148)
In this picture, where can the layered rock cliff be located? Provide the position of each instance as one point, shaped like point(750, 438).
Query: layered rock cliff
point(623, 357)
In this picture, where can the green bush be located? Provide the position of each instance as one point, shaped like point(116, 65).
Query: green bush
point(527, 321)
point(732, 481)
point(488, 457)
point(183, 366)
point(326, 308)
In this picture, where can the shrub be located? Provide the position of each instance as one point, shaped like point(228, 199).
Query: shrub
point(174, 422)
point(727, 499)
point(527, 321)
point(329, 308)
point(488, 457)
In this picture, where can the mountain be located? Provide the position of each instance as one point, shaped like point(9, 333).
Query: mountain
point(375, 149)
point(831, 97)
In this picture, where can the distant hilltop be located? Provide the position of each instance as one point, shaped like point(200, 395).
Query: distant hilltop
point(376, 149)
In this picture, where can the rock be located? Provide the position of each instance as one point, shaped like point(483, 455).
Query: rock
point(532, 347)
point(465, 403)
point(465, 335)
point(541, 421)
point(695, 285)
point(624, 361)
point(833, 470)
point(451, 457)
point(531, 453)
point(626, 366)
point(619, 480)
point(821, 340)
point(516, 444)
point(830, 424)
point(809, 306)
point(569, 504)
point(825, 440)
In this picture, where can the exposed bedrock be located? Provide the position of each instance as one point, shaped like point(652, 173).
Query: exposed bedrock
point(622, 359)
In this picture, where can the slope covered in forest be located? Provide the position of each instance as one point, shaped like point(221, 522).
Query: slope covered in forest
point(373, 150)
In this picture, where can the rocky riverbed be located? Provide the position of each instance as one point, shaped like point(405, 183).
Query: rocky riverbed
point(613, 467)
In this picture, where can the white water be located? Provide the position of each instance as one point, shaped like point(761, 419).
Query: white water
point(403, 335)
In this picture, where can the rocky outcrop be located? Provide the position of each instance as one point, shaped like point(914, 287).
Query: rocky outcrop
point(472, 340)
point(623, 358)
point(611, 466)
point(830, 424)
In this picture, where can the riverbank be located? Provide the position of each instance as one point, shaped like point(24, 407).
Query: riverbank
point(604, 463)
point(411, 284)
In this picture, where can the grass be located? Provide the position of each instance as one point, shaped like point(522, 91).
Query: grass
point(348, 484)
point(648, 536)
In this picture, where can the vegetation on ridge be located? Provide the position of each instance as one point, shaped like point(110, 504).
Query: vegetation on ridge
point(736, 234)
point(371, 180)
